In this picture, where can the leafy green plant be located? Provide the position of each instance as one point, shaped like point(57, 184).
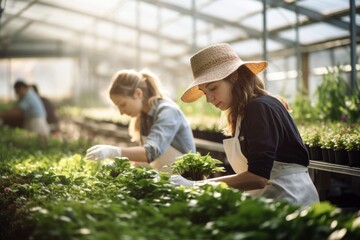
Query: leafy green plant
point(341, 136)
point(302, 108)
point(333, 101)
point(194, 166)
point(328, 140)
point(119, 165)
point(313, 139)
point(352, 103)
point(331, 94)
point(353, 142)
point(340, 141)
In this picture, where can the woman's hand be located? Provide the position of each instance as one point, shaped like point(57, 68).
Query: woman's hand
point(99, 152)
point(178, 180)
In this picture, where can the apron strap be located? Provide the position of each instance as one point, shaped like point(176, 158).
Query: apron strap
point(238, 126)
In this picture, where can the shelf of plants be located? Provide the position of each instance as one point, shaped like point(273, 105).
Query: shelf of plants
point(109, 129)
point(48, 191)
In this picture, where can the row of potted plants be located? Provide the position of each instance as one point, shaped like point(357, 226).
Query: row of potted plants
point(330, 142)
point(334, 142)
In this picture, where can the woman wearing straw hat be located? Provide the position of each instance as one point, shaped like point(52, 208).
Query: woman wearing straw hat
point(266, 150)
point(157, 122)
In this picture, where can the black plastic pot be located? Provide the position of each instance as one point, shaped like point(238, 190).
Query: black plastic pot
point(331, 155)
point(325, 155)
point(341, 157)
point(354, 158)
point(315, 153)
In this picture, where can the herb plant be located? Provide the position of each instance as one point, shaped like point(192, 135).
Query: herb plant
point(353, 142)
point(194, 166)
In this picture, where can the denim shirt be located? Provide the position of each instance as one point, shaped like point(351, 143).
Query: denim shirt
point(164, 126)
point(32, 105)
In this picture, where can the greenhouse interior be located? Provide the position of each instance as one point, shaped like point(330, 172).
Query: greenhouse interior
point(191, 119)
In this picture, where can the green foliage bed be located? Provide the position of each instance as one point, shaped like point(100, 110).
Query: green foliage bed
point(47, 191)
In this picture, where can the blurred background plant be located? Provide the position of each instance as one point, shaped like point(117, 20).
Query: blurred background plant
point(333, 101)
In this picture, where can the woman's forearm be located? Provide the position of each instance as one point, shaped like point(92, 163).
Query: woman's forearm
point(135, 154)
point(12, 113)
point(244, 181)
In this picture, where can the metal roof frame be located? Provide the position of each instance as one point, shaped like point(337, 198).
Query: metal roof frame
point(190, 45)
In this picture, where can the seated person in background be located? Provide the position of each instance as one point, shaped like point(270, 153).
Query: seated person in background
point(158, 124)
point(31, 108)
point(51, 117)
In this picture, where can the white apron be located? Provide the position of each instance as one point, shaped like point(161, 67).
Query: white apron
point(38, 125)
point(167, 158)
point(288, 181)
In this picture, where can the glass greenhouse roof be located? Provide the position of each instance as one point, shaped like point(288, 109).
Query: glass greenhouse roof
point(148, 33)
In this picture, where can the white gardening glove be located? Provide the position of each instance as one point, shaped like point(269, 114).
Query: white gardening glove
point(178, 180)
point(99, 152)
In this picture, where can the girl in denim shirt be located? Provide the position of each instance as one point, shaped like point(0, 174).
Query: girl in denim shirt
point(158, 125)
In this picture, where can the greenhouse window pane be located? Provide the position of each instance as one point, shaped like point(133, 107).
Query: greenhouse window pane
point(48, 32)
point(285, 88)
point(168, 16)
point(13, 27)
point(282, 64)
point(126, 14)
point(255, 47)
point(169, 49)
point(59, 17)
point(183, 3)
point(221, 34)
point(95, 7)
point(248, 47)
point(357, 19)
point(123, 34)
point(232, 10)
point(125, 53)
point(183, 27)
point(104, 29)
point(277, 18)
point(148, 17)
point(149, 42)
point(314, 33)
point(325, 6)
point(14, 7)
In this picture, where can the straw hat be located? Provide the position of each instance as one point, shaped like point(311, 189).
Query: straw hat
point(215, 63)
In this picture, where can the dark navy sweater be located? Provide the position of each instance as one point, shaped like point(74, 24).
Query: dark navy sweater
point(268, 133)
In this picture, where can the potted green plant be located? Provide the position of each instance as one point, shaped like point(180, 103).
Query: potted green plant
point(314, 143)
point(353, 149)
point(328, 144)
point(341, 156)
point(194, 166)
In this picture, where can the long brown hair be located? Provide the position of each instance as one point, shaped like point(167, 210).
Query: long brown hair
point(245, 87)
point(125, 82)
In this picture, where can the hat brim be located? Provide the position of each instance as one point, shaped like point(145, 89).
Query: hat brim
point(193, 93)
